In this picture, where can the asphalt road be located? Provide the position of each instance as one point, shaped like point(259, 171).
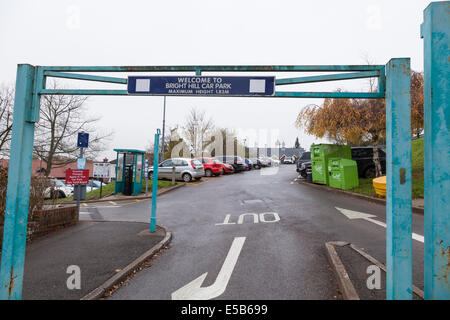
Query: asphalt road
point(281, 256)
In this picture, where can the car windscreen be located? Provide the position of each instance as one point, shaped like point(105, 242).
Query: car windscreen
point(167, 163)
point(59, 183)
point(196, 162)
point(216, 161)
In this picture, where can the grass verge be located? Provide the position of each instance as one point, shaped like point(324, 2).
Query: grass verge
point(366, 186)
point(108, 189)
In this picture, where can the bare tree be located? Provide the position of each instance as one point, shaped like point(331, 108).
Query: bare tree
point(61, 118)
point(6, 118)
point(196, 131)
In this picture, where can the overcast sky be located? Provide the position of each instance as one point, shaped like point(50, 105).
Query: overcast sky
point(106, 32)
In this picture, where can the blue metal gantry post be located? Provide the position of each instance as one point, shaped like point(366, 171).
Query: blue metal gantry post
point(398, 180)
point(436, 34)
point(18, 189)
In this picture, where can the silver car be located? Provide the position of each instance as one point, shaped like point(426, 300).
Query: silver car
point(185, 169)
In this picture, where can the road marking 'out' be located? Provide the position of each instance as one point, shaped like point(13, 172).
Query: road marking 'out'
point(256, 218)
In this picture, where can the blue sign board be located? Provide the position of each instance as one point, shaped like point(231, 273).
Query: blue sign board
point(83, 140)
point(201, 86)
point(81, 163)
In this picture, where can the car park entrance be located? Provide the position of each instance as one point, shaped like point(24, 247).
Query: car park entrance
point(393, 85)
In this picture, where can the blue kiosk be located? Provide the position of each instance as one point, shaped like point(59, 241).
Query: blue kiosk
point(129, 171)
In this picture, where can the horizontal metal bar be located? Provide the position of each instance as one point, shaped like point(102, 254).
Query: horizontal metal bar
point(328, 77)
point(249, 68)
point(282, 94)
point(84, 92)
point(354, 95)
point(85, 77)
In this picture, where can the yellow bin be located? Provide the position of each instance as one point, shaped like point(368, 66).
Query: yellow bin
point(379, 184)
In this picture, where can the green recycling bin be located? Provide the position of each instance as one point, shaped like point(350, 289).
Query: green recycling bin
point(342, 173)
point(326, 151)
point(320, 155)
point(319, 171)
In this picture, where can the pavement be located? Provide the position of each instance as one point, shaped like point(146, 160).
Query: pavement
point(360, 276)
point(100, 250)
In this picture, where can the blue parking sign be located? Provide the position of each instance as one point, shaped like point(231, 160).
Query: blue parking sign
point(83, 140)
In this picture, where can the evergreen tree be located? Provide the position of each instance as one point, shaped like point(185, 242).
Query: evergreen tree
point(297, 143)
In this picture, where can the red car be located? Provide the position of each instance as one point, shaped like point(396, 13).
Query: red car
point(212, 166)
point(227, 168)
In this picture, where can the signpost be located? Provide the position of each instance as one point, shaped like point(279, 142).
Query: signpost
point(82, 142)
point(155, 181)
point(201, 85)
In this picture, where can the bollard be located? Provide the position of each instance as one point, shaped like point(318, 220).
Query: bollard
point(173, 175)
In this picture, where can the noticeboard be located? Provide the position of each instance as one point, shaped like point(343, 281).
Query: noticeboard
point(101, 170)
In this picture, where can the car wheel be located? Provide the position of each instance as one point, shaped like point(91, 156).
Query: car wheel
point(208, 173)
point(187, 177)
point(150, 175)
point(61, 194)
point(370, 173)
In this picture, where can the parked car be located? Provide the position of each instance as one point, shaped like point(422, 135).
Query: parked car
point(275, 161)
point(364, 160)
point(267, 161)
point(211, 166)
point(185, 169)
point(256, 163)
point(93, 184)
point(305, 157)
point(264, 162)
point(58, 189)
point(288, 160)
point(305, 169)
point(249, 163)
point(235, 161)
point(227, 168)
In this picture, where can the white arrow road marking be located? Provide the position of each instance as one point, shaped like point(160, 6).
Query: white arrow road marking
point(359, 215)
point(194, 291)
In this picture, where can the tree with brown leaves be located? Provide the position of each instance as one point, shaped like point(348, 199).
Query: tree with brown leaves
point(359, 121)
